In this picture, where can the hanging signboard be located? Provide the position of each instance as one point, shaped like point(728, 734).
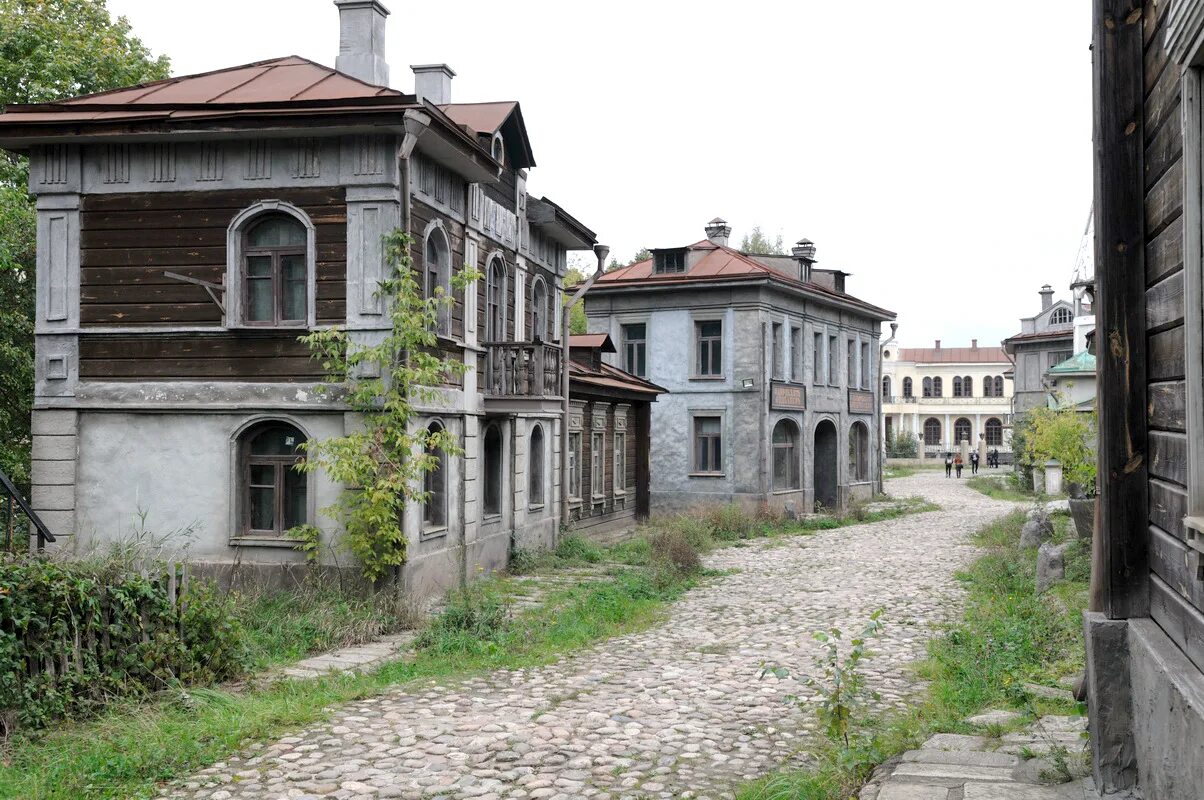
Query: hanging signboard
point(787, 397)
point(861, 402)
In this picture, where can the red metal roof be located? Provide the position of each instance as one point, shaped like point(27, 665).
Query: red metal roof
point(590, 341)
point(954, 355)
point(610, 377)
point(481, 117)
point(720, 263)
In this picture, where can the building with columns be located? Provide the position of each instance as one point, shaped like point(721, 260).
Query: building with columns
point(771, 368)
point(945, 396)
point(191, 229)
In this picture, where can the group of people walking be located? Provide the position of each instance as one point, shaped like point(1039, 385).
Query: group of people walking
point(954, 461)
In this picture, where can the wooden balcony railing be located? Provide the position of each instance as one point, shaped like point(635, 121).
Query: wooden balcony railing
point(521, 369)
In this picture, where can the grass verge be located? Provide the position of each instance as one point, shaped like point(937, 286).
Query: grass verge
point(1007, 636)
point(1002, 488)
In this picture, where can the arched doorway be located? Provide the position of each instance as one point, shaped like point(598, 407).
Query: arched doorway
point(962, 431)
point(826, 475)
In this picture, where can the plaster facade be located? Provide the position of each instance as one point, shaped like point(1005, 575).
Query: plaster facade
point(1046, 339)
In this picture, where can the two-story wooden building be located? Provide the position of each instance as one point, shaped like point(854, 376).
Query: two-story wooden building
point(190, 230)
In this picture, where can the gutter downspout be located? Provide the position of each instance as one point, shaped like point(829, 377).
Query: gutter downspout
point(878, 418)
point(415, 123)
point(601, 251)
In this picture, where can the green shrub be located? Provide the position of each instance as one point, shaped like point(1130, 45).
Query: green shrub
point(77, 635)
point(474, 617)
point(904, 444)
point(673, 549)
point(730, 522)
point(577, 549)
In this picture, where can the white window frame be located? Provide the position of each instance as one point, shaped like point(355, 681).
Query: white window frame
point(443, 325)
point(574, 455)
point(1192, 98)
point(619, 461)
point(235, 234)
point(597, 465)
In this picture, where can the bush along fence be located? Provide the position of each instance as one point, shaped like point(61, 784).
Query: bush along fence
point(74, 636)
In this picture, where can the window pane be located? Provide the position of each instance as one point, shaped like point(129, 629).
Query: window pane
point(263, 508)
point(263, 475)
point(277, 231)
point(259, 299)
point(259, 266)
point(716, 359)
point(279, 440)
point(293, 270)
point(710, 329)
point(295, 487)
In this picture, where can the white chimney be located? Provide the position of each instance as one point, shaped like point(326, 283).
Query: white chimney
point(433, 82)
point(362, 41)
point(718, 231)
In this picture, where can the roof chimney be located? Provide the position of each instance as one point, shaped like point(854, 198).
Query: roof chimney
point(362, 41)
point(718, 231)
point(938, 344)
point(1046, 297)
point(804, 253)
point(433, 82)
point(973, 344)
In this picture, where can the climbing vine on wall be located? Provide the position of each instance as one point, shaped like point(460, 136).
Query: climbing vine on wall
point(383, 462)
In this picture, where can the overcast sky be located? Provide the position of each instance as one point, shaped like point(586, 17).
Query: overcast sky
point(938, 151)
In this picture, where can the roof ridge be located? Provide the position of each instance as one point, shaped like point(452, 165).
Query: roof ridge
point(161, 83)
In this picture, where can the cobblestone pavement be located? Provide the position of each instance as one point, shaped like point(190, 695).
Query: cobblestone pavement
point(676, 711)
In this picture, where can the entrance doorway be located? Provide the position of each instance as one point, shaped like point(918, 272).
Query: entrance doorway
point(825, 474)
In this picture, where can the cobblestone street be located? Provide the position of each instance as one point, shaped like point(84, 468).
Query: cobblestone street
point(676, 711)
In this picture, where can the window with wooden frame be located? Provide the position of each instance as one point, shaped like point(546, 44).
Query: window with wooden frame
point(669, 261)
point(796, 353)
point(998, 386)
point(852, 372)
point(1061, 316)
point(437, 275)
point(785, 456)
point(859, 453)
point(575, 465)
point(539, 310)
point(495, 300)
point(778, 360)
point(928, 387)
point(908, 387)
point(866, 365)
point(937, 387)
point(275, 276)
point(932, 431)
point(708, 445)
point(434, 486)
point(957, 386)
point(833, 362)
point(597, 474)
point(885, 387)
point(708, 348)
point(492, 473)
point(988, 387)
point(635, 348)
point(967, 386)
point(620, 462)
point(817, 358)
point(994, 432)
point(538, 457)
point(275, 493)
point(962, 430)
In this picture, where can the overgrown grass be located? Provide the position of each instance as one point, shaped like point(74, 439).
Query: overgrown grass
point(1004, 488)
point(1006, 637)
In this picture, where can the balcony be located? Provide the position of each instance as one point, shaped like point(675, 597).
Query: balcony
point(521, 369)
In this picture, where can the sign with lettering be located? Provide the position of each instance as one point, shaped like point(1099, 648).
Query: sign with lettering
point(787, 397)
point(861, 402)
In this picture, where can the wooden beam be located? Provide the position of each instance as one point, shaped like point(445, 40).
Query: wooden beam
point(1117, 74)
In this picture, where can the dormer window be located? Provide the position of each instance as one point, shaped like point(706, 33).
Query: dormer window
point(669, 261)
point(1060, 316)
point(498, 149)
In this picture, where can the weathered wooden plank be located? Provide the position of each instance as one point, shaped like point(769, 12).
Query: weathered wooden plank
point(1166, 355)
point(1168, 506)
point(1120, 278)
point(328, 272)
point(1165, 149)
point(186, 256)
point(1164, 254)
point(1164, 203)
point(229, 199)
point(197, 217)
point(1153, 17)
point(150, 313)
point(1164, 303)
point(1161, 99)
point(192, 345)
point(170, 238)
point(198, 368)
point(1177, 565)
point(1178, 619)
point(1167, 406)
point(1168, 456)
point(1155, 57)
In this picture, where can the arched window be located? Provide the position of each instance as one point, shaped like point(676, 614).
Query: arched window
point(999, 386)
point(962, 430)
point(275, 274)
point(539, 310)
point(886, 387)
point(275, 493)
point(492, 469)
point(1061, 316)
point(994, 432)
point(937, 391)
point(988, 387)
point(495, 301)
point(967, 386)
point(907, 390)
point(535, 491)
point(437, 274)
point(932, 431)
point(957, 386)
point(498, 149)
point(928, 387)
point(785, 456)
point(859, 452)
point(434, 484)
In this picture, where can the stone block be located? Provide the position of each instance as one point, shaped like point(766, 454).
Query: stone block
point(55, 423)
point(953, 772)
point(954, 741)
point(61, 525)
point(53, 473)
point(1019, 791)
point(974, 758)
point(1036, 531)
point(54, 448)
point(1051, 566)
point(1109, 701)
point(52, 498)
point(913, 791)
point(997, 717)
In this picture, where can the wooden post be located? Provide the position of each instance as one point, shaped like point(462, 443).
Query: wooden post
point(1120, 279)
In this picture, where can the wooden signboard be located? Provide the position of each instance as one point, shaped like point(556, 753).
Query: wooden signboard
point(787, 397)
point(861, 402)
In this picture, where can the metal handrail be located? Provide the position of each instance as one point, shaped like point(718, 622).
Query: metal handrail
point(14, 496)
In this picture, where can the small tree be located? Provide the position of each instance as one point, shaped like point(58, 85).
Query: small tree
point(903, 444)
point(383, 463)
point(757, 242)
point(1066, 436)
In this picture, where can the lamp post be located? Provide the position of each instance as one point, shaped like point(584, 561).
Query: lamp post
point(601, 251)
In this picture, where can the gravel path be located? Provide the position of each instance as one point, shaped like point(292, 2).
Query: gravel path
point(677, 711)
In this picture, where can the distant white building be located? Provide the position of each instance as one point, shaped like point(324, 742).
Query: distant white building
point(947, 395)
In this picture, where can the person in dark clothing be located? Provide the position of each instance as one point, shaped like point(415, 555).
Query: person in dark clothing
point(974, 463)
point(948, 464)
point(957, 463)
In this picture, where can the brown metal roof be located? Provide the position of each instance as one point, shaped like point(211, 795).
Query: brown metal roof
point(721, 263)
point(609, 377)
point(1057, 333)
point(954, 355)
point(481, 117)
point(590, 341)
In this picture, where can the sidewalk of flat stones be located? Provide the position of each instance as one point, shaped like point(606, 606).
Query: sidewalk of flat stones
point(1047, 760)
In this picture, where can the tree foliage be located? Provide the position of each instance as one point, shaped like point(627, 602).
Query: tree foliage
point(757, 242)
point(1063, 435)
point(383, 463)
point(577, 321)
point(49, 50)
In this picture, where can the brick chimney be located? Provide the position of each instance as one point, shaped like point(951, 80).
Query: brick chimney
point(973, 344)
point(938, 344)
point(804, 253)
point(433, 82)
point(362, 41)
point(1046, 297)
point(718, 231)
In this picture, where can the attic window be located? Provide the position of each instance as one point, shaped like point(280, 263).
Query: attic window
point(1061, 316)
point(670, 261)
point(498, 149)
